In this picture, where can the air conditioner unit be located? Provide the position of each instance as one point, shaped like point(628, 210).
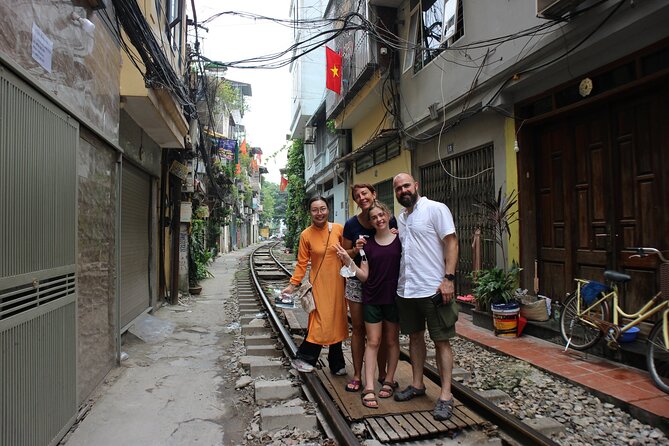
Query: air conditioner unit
point(555, 9)
point(309, 134)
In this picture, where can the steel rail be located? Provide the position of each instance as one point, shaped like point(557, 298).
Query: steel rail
point(508, 423)
point(339, 426)
point(511, 425)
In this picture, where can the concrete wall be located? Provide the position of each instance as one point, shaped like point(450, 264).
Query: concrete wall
point(84, 72)
point(339, 193)
point(382, 172)
point(96, 263)
point(308, 71)
point(450, 75)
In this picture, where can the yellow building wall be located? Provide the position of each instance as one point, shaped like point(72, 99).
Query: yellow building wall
point(512, 185)
point(364, 131)
point(382, 172)
point(368, 127)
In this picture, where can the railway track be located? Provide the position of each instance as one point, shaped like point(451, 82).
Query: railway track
point(267, 272)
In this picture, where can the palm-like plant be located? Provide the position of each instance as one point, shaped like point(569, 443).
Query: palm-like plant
point(500, 213)
point(497, 285)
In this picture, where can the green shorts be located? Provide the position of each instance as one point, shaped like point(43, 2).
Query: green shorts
point(417, 312)
point(373, 314)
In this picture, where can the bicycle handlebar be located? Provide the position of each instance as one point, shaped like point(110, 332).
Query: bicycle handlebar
point(641, 252)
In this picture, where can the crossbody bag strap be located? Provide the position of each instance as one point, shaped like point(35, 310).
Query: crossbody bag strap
point(326, 251)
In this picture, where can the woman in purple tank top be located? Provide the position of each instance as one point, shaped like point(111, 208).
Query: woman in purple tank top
point(379, 271)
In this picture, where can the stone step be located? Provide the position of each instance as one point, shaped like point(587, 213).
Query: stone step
point(249, 311)
point(460, 374)
point(272, 275)
point(281, 389)
point(494, 395)
point(546, 426)
point(250, 329)
point(263, 350)
point(275, 418)
point(258, 340)
point(260, 366)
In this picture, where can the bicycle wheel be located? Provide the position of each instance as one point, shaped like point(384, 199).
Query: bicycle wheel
point(575, 330)
point(657, 358)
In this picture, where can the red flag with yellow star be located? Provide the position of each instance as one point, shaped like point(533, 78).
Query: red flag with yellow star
point(333, 71)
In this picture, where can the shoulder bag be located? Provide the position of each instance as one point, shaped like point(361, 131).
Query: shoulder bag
point(305, 293)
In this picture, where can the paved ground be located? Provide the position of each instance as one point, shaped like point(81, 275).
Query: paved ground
point(179, 391)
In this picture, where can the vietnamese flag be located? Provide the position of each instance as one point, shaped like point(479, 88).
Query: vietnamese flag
point(284, 183)
point(333, 71)
point(242, 148)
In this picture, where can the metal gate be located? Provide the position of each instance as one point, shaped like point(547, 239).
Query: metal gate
point(38, 179)
point(459, 183)
point(135, 243)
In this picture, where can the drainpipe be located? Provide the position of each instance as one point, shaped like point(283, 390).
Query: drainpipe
point(175, 230)
point(117, 260)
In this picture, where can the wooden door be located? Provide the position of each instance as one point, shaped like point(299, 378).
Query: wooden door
point(601, 188)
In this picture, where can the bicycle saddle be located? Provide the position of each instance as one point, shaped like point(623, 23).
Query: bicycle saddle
point(615, 276)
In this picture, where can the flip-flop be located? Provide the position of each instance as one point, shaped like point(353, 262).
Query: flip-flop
point(370, 403)
point(353, 385)
point(387, 389)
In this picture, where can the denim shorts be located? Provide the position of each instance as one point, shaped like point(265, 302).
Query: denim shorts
point(353, 290)
point(415, 313)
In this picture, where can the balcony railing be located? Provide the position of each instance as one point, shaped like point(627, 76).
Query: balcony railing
point(359, 61)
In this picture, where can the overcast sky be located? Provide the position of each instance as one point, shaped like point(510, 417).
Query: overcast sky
point(233, 38)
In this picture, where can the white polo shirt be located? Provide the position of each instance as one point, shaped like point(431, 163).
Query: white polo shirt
point(422, 267)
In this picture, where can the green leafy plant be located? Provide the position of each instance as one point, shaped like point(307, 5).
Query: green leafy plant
point(199, 256)
point(297, 215)
point(499, 214)
point(331, 126)
point(495, 286)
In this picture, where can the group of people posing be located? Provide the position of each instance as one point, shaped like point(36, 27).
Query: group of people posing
point(396, 276)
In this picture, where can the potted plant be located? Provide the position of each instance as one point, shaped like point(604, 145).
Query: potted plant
point(495, 288)
point(199, 257)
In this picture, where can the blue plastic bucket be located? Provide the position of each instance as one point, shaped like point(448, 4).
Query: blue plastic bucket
point(629, 335)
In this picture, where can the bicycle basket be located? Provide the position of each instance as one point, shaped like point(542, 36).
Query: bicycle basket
point(591, 290)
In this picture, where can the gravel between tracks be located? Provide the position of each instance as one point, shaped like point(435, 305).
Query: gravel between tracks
point(537, 394)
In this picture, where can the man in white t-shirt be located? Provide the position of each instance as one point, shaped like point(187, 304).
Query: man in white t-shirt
point(426, 287)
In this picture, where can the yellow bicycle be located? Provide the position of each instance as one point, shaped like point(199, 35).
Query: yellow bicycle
point(586, 317)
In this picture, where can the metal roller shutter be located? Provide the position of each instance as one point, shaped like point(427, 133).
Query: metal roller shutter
point(135, 253)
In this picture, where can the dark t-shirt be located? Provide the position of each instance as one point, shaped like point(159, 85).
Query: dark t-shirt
point(384, 270)
point(353, 229)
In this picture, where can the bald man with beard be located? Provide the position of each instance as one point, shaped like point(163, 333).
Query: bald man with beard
point(426, 287)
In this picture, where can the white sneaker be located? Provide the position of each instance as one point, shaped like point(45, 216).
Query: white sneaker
point(302, 366)
point(341, 372)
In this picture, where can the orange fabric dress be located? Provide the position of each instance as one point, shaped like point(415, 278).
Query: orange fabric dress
point(328, 323)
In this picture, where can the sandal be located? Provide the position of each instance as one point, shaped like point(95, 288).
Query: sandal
point(443, 410)
point(369, 402)
point(393, 384)
point(353, 385)
point(387, 390)
point(409, 393)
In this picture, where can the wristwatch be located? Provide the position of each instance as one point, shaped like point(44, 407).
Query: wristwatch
point(450, 277)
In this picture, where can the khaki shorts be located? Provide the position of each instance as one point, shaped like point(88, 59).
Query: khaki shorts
point(415, 313)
